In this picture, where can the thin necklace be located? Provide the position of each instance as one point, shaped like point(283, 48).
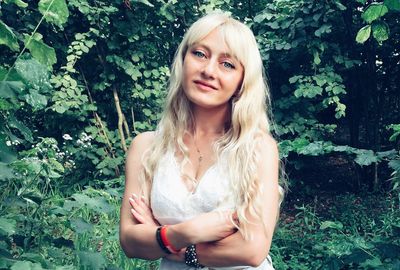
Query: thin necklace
point(200, 158)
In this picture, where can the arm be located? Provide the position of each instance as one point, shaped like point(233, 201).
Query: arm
point(234, 249)
point(137, 234)
point(135, 237)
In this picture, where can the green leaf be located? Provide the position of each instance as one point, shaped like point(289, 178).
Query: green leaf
point(363, 34)
point(340, 6)
point(332, 225)
point(392, 4)
point(380, 31)
point(98, 204)
point(55, 11)
point(395, 164)
point(5, 171)
point(36, 100)
point(362, 1)
point(7, 226)
point(7, 37)
point(81, 226)
point(41, 51)
point(366, 157)
point(19, 3)
point(7, 155)
point(317, 60)
point(373, 263)
point(10, 89)
point(295, 79)
point(146, 2)
point(26, 265)
point(92, 260)
point(34, 74)
point(374, 12)
point(25, 131)
point(325, 28)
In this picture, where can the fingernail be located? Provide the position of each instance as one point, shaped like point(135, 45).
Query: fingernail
point(134, 195)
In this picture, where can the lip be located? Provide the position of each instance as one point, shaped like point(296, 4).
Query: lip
point(204, 86)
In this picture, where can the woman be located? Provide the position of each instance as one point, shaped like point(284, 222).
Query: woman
point(209, 173)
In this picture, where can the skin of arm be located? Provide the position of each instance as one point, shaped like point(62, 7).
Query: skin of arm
point(234, 250)
point(138, 228)
point(134, 237)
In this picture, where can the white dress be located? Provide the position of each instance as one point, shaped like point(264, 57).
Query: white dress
point(172, 203)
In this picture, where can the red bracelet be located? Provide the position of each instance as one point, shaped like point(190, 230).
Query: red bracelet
point(165, 241)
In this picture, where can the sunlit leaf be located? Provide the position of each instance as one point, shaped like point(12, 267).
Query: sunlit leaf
point(363, 34)
point(374, 12)
point(19, 3)
point(7, 37)
point(55, 11)
point(146, 2)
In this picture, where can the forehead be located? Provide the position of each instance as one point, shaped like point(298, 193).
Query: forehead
point(224, 38)
point(215, 42)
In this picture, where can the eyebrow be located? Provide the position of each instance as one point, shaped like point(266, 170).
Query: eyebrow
point(226, 54)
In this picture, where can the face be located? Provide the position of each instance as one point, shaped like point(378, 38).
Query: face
point(211, 76)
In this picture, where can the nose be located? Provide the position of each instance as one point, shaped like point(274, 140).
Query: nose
point(209, 69)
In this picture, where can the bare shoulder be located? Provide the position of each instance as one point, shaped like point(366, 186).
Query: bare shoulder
point(141, 143)
point(267, 146)
point(143, 140)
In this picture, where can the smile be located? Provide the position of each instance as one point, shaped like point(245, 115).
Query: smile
point(204, 86)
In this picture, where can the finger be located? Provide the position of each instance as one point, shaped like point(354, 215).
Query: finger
point(131, 202)
point(136, 207)
point(138, 216)
point(143, 199)
point(140, 202)
point(146, 208)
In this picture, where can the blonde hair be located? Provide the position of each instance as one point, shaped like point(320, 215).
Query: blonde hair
point(248, 121)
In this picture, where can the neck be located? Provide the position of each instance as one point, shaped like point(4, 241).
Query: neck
point(210, 121)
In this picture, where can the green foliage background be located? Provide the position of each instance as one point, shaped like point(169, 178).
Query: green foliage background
point(78, 79)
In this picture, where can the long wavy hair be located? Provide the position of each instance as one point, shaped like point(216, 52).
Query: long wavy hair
point(248, 120)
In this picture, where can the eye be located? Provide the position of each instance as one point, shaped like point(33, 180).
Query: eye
point(199, 54)
point(228, 65)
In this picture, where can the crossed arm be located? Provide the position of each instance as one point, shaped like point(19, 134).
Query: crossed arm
point(218, 243)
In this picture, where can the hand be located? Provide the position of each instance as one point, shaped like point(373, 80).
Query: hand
point(214, 226)
point(178, 257)
point(141, 211)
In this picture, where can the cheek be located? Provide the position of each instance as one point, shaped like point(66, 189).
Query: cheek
point(234, 82)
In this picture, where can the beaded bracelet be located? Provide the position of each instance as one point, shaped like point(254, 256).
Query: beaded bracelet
point(160, 241)
point(191, 257)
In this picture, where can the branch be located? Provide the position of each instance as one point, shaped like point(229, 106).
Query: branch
point(121, 119)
